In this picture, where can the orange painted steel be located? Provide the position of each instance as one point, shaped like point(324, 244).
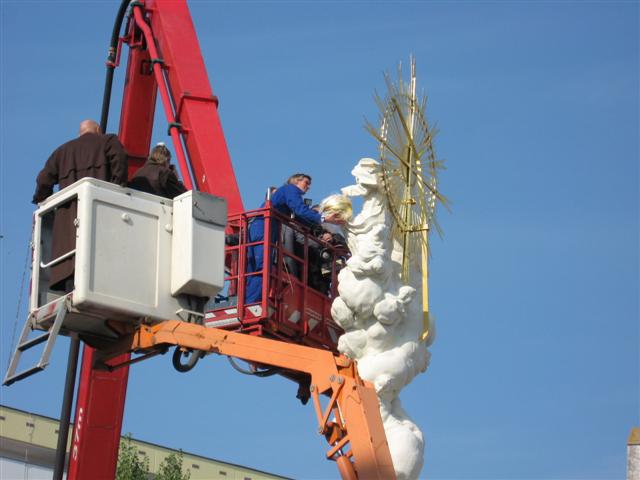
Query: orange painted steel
point(350, 421)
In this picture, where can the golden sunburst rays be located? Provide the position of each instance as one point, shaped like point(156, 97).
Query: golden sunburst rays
point(409, 163)
point(409, 172)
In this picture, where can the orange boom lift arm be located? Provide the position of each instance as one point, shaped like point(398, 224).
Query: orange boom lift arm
point(350, 421)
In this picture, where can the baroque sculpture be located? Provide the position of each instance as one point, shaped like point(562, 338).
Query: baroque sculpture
point(383, 296)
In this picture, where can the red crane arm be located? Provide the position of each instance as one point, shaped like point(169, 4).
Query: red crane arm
point(195, 107)
point(165, 53)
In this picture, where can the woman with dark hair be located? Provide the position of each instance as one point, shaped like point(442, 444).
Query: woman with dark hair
point(157, 175)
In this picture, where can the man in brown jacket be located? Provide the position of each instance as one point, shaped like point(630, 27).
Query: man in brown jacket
point(92, 154)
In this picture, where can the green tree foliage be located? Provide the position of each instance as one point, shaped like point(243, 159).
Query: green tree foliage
point(130, 465)
point(171, 468)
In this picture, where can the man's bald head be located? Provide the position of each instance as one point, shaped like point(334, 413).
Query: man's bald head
point(89, 126)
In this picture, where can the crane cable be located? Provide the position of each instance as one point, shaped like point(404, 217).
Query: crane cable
point(15, 323)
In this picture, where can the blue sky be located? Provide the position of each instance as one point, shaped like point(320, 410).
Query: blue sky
point(535, 372)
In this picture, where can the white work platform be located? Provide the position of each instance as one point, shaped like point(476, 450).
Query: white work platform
point(138, 257)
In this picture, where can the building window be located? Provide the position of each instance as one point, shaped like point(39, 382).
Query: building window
point(222, 472)
point(195, 465)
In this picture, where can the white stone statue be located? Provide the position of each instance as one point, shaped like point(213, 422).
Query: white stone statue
point(381, 316)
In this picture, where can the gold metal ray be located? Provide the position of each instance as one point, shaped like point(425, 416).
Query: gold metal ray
point(409, 173)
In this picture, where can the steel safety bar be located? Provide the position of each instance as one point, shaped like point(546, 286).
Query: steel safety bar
point(55, 261)
point(241, 222)
point(294, 305)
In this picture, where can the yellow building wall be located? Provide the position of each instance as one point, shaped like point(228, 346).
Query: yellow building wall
point(31, 429)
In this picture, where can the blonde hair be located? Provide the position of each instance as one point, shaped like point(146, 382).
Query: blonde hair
point(337, 204)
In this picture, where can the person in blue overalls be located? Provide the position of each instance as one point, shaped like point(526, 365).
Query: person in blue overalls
point(288, 200)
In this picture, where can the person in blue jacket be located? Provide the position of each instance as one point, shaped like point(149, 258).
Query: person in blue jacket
point(288, 199)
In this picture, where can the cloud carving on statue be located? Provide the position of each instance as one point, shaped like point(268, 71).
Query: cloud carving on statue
point(381, 316)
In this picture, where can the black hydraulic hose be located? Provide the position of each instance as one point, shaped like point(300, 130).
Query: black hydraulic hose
point(267, 372)
point(111, 65)
point(65, 410)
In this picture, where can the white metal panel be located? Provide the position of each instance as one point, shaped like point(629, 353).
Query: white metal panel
point(197, 261)
point(127, 244)
point(124, 254)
